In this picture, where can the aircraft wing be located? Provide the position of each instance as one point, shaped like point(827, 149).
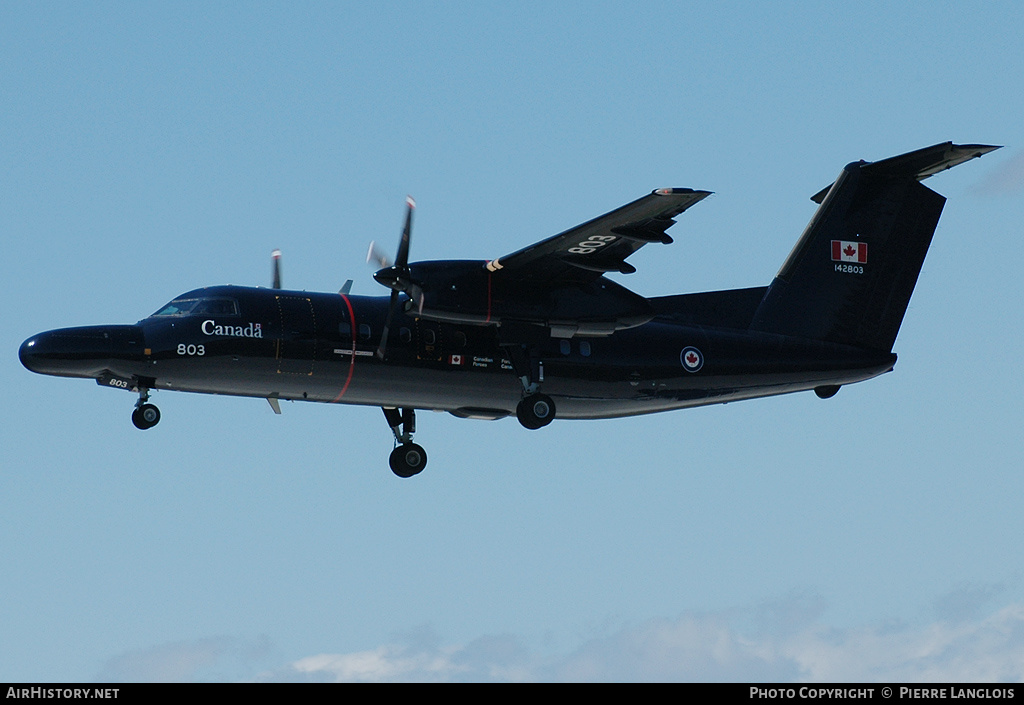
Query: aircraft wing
point(584, 253)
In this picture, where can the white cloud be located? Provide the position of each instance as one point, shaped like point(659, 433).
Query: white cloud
point(783, 640)
point(489, 658)
point(710, 647)
point(991, 649)
point(383, 664)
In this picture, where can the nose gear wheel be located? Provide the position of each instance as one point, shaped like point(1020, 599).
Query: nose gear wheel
point(407, 460)
point(146, 415)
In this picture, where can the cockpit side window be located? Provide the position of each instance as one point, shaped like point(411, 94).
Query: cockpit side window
point(216, 307)
point(200, 307)
point(178, 307)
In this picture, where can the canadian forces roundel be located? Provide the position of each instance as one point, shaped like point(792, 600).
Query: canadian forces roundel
point(692, 359)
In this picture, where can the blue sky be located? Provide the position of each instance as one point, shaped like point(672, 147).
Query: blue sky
point(150, 150)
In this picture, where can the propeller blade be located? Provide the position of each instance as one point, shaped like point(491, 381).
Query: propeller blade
point(402, 258)
point(396, 276)
point(378, 256)
point(382, 347)
point(400, 267)
point(416, 292)
point(276, 257)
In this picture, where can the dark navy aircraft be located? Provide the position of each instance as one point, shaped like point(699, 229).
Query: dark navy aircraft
point(542, 333)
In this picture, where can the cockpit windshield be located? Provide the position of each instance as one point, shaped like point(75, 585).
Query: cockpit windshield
point(214, 306)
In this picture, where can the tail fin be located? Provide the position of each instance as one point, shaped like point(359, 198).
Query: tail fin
point(851, 274)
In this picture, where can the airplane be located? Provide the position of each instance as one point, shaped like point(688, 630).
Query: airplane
point(542, 333)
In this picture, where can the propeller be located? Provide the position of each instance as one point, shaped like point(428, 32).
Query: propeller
point(397, 276)
point(276, 257)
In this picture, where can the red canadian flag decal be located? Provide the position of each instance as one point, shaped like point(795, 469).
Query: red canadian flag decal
point(844, 251)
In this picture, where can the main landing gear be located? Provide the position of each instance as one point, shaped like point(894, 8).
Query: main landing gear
point(408, 458)
point(536, 410)
point(145, 415)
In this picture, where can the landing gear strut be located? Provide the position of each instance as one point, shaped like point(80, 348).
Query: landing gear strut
point(145, 415)
point(408, 458)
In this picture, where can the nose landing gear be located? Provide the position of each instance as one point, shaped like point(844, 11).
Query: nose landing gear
point(146, 415)
point(408, 458)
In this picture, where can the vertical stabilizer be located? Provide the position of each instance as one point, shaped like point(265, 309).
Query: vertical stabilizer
point(851, 274)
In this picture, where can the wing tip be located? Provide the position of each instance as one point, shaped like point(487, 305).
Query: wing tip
point(979, 149)
point(680, 192)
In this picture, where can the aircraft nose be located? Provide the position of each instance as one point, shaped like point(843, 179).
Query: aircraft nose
point(27, 354)
point(81, 352)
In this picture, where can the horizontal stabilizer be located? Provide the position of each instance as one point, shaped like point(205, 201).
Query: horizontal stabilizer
point(919, 164)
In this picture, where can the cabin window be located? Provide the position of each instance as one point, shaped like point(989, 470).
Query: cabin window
point(564, 346)
point(460, 339)
point(364, 332)
point(584, 348)
point(429, 337)
point(405, 335)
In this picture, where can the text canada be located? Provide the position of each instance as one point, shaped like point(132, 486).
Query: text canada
point(253, 330)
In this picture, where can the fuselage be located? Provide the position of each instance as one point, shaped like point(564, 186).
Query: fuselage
point(296, 345)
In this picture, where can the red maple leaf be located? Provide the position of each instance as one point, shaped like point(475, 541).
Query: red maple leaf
point(691, 359)
point(849, 251)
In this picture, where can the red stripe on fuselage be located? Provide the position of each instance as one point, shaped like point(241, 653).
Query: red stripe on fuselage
point(488, 296)
point(352, 358)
